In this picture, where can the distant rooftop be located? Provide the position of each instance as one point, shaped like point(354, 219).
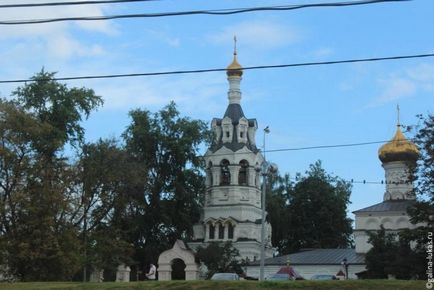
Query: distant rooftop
point(389, 205)
point(317, 257)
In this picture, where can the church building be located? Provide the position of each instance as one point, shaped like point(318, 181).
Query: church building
point(232, 201)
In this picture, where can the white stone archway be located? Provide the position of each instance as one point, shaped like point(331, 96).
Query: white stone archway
point(178, 251)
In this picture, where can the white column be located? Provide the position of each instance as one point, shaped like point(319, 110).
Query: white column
point(216, 232)
point(234, 174)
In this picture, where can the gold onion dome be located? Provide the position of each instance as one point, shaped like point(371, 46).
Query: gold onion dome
point(234, 69)
point(398, 149)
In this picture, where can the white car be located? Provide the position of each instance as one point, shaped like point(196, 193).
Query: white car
point(225, 276)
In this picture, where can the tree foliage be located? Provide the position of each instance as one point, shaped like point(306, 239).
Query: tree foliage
point(220, 258)
point(106, 205)
point(311, 213)
point(164, 199)
point(393, 255)
point(423, 211)
point(38, 240)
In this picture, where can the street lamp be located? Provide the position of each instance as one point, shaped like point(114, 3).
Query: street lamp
point(267, 169)
point(345, 264)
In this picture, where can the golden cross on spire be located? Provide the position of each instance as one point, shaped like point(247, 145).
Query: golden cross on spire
point(235, 45)
point(397, 110)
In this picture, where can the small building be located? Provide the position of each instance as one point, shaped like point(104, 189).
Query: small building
point(313, 261)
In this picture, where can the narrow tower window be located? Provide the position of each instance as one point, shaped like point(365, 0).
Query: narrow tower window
point(211, 232)
point(242, 175)
point(225, 174)
point(230, 231)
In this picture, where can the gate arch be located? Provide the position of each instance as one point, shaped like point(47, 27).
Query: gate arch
point(174, 256)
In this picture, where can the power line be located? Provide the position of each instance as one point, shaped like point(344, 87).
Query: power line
point(352, 181)
point(314, 147)
point(69, 3)
point(326, 146)
point(399, 57)
point(219, 12)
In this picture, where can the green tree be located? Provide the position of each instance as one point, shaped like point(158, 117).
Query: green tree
point(164, 199)
point(39, 241)
point(423, 211)
point(58, 106)
point(103, 173)
point(219, 257)
point(278, 190)
point(393, 254)
point(316, 212)
point(381, 255)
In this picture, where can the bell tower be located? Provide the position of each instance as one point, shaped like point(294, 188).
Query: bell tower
point(232, 207)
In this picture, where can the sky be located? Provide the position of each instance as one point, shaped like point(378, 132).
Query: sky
point(303, 106)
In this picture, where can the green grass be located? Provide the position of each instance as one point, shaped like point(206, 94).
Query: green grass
point(223, 285)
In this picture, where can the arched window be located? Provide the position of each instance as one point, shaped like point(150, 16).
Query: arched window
point(230, 231)
point(225, 174)
point(242, 175)
point(221, 231)
point(211, 231)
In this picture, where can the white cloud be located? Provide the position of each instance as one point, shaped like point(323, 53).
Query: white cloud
point(193, 93)
point(324, 51)
point(422, 73)
point(258, 34)
point(56, 38)
point(162, 35)
point(405, 84)
point(395, 89)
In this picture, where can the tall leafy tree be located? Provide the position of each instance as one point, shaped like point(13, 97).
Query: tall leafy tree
point(423, 211)
point(103, 173)
point(40, 242)
point(277, 202)
point(393, 254)
point(315, 212)
point(165, 199)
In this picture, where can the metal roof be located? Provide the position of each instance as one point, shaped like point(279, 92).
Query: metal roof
point(317, 257)
point(235, 113)
point(389, 205)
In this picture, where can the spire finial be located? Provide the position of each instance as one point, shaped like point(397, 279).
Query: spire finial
point(397, 111)
point(235, 68)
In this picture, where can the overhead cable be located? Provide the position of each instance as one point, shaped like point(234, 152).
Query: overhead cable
point(358, 60)
point(69, 3)
point(311, 147)
point(219, 12)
